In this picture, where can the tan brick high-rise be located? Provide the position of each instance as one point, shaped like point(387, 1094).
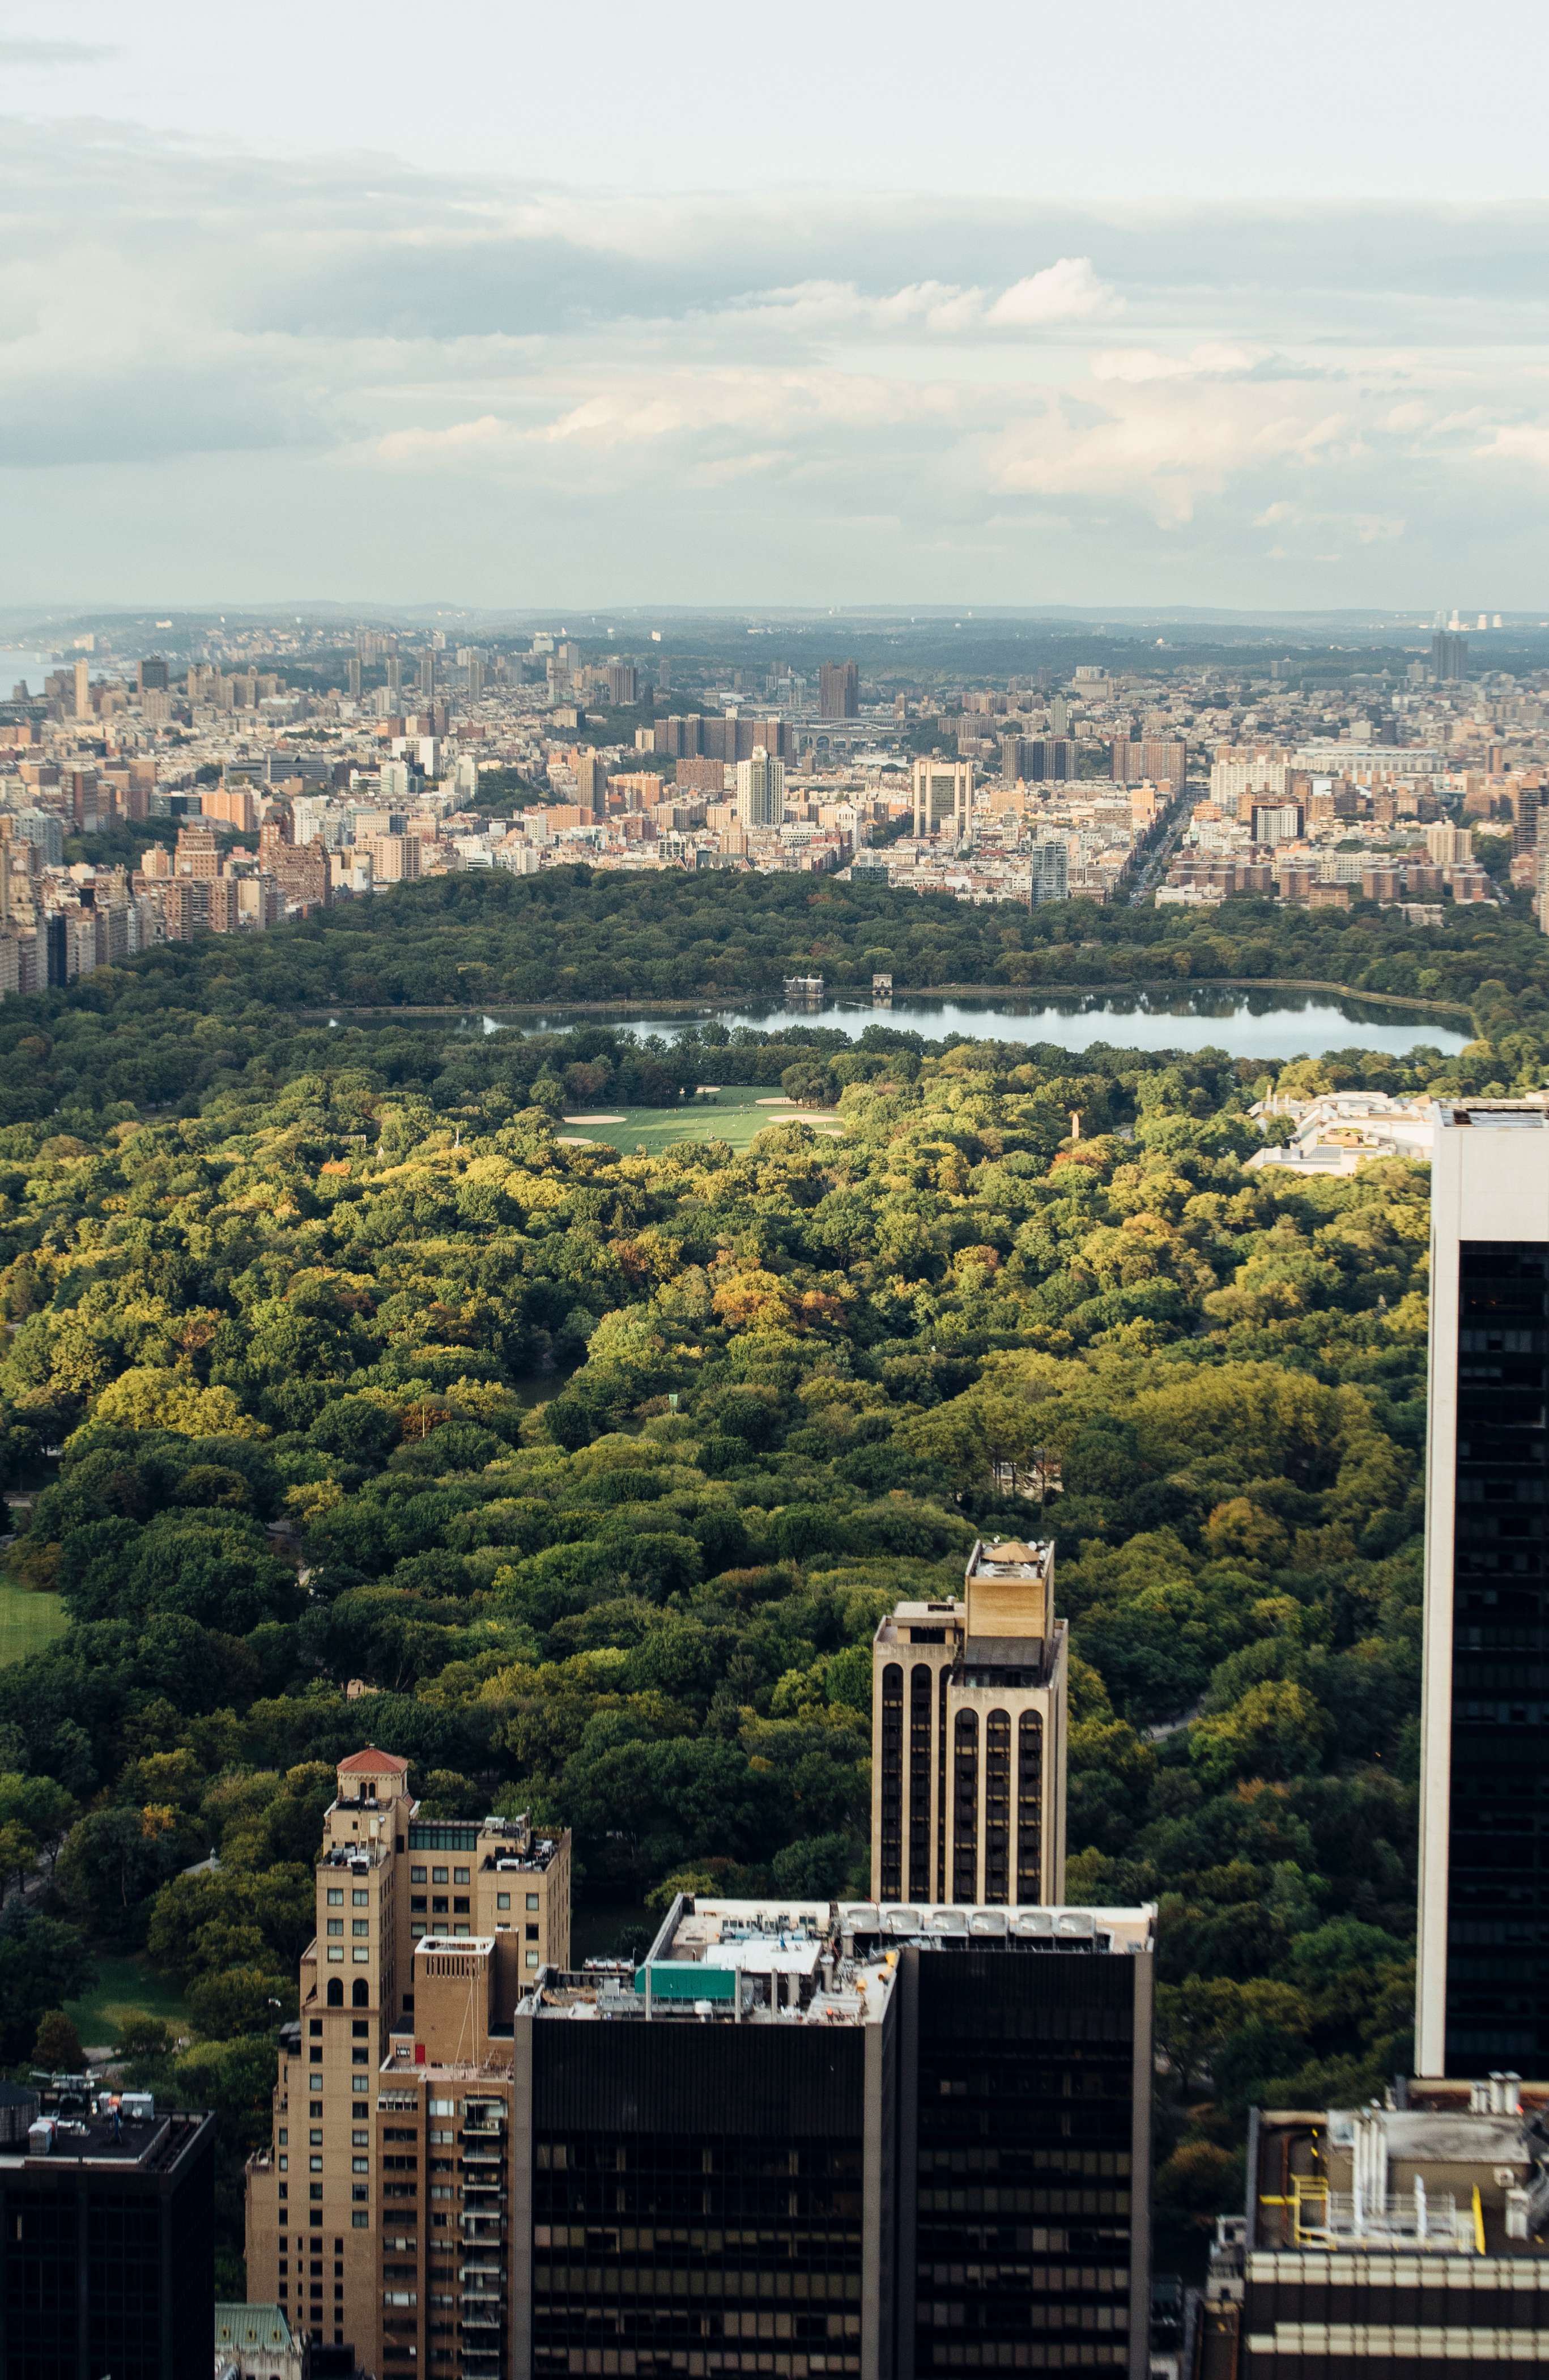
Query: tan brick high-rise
point(968, 1739)
point(408, 1910)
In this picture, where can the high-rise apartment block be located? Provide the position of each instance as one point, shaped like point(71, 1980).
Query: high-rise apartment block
point(1483, 1989)
point(151, 675)
point(969, 1738)
point(623, 685)
point(943, 789)
point(839, 690)
point(1449, 657)
point(591, 781)
point(466, 1912)
point(107, 2235)
point(760, 790)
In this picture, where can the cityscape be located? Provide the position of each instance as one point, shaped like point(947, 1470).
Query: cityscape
point(340, 768)
point(774, 1193)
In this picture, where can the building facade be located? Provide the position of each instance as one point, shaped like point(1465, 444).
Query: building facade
point(387, 1881)
point(942, 790)
point(1482, 1984)
point(969, 1738)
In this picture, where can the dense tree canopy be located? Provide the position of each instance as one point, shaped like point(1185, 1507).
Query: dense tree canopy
point(591, 1474)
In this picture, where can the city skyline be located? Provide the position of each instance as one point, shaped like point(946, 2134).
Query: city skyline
point(547, 341)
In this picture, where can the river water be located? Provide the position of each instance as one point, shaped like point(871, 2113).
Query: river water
point(1268, 1025)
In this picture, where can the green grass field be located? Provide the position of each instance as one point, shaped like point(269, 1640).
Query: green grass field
point(732, 1114)
point(124, 1988)
point(28, 1621)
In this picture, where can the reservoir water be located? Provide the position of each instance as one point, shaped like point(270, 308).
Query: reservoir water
point(1268, 1025)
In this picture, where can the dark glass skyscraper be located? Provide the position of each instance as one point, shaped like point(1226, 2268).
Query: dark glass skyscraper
point(1482, 1994)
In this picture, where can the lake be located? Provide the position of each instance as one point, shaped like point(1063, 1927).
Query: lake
point(1268, 1025)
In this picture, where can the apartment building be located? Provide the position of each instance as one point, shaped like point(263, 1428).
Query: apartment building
point(969, 1731)
point(387, 1882)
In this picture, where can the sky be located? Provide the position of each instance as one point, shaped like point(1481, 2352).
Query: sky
point(849, 304)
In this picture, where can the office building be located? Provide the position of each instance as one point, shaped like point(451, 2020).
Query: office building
point(760, 790)
point(839, 690)
point(943, 789)
point(151, 675)
point(427, 673)
point(801, 2139)
point(327, 2197)
point(969, 1738)
point(352, 670)
point(107, 2235)
point(623, 685)
point(1449, 657)
point(1384, 2241)
point(1483, 1984)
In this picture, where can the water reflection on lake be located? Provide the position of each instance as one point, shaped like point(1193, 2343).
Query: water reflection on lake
point(1269, 1024)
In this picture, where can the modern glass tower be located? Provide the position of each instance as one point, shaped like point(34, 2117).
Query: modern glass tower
point(1482, 1990)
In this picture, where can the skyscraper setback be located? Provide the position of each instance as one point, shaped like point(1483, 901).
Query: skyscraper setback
point(1483, 1989)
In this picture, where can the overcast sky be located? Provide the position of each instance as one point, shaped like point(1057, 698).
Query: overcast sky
point(495, 304)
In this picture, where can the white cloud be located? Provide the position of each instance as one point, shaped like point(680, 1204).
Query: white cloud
point(1068, 291)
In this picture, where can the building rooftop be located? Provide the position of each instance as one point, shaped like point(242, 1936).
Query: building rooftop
point(814, 1962)
point(371, 1763)
point(99, 2132)
point(1461, 2170)
point(1494, 1115)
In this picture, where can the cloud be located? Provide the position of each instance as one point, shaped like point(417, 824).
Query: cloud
point(696, 379)
point(22, 52)
point(1068, 291)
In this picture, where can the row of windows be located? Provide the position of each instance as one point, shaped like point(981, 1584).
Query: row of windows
point(683, 2281)
point(665, 2365)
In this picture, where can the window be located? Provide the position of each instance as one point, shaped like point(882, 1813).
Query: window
point(919, 1780)
point(314, 2164)
point(360, 2164)
point(438, 1876)
point(315, 2138)
point(532, 1901)
point(285, 2135)
point(997, 1806)
point(416, 1876)
point(358, 1926)
point(359, 2082)
point(360, 1953)
point(336, 1953)
point(965, 1806)
point(335, 1925)
point(416, 1901)
point(336, 1896)
point(285, 2163)
point(359, 1900)
point(336, 1991)
point(314, 2189)
point(417, 1929)
point(359, 1996)
point(532, 1959)
point(503, 1900)
point(460, 1875)
point(460, 1900)
point(361, 2220)
point(892, 1782)
point(531, 1932)
point(1030, 1783)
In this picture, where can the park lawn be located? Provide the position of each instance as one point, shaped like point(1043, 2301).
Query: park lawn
point(28, 1621)
point(123, 1987)
point(732, 1114)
